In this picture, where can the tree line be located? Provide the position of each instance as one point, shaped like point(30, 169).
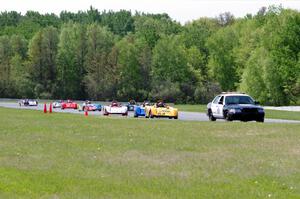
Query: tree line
point(119, 55)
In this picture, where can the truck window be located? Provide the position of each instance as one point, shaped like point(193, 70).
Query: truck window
point(215, 101)
point(221, 100)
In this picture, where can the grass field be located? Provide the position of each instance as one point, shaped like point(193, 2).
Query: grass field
point(192, 107)
point(273, 114)
point(72, 156)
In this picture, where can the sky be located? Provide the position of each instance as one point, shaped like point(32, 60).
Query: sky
point(180, 10)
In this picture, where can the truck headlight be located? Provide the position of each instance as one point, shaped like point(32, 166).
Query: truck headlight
point(235, 110)
point(261, 110)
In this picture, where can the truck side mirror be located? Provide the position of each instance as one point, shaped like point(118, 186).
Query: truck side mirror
point(220, 102)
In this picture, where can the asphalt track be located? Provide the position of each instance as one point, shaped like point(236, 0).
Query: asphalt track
point(186, 116)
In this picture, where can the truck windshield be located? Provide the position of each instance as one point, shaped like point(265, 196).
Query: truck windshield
point(238, 100)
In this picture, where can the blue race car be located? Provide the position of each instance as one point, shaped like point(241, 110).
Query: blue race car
point(130, 105)
point(88, 106)
point(140, 110)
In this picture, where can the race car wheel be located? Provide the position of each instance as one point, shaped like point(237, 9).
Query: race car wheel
point(170, 118)
point(176, 117)
point(150, 114)
point(105, 112)
point(135, 115)
point(210, 116)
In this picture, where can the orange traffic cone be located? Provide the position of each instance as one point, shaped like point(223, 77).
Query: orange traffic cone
point(45, 108)
point(50, 108)
point(86, 113)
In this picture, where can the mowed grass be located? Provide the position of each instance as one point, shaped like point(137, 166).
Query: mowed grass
point(272, 114)
point(289, 115)
point(72, 156)
point(192, 107)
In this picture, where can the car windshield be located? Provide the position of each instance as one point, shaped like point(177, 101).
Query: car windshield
point(238, 100)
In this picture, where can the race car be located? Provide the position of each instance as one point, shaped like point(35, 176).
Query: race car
point(88, 106)
point(69, 105)
point(160, 109)
point(140, 110)
point(28, 102)
point(130, 105)
point(235, 106)
point(115, 108)
point(57, 104)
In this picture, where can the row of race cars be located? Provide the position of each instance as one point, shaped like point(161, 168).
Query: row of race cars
point(228, 105)
point(145, 109)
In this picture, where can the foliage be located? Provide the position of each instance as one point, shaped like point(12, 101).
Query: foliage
point(117, 55)
point(98, 79)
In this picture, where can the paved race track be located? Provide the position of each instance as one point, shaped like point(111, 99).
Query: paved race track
point(187, 116)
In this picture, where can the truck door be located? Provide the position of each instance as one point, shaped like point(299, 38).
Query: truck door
point(219, 107)
point(214, 106)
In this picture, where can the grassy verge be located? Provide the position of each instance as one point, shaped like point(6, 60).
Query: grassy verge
point(192, 107)
point(72, 156)
point(273, 114)
point(289, 115)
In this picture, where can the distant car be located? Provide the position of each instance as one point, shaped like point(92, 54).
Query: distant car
point(161, 109)
point(57, 104)
point(115, 108)
point(28, 102)
point(235, 106)
point(140, 110)
point(130, 105)
point(69, 105)
point(88, 106)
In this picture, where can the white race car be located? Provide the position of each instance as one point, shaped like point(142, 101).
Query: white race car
point(28, 102)
point(56, 104)
point(115, 108)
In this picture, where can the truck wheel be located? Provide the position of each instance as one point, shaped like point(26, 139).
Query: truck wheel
point(227, 118)
point(260, 120)
point(210, 116)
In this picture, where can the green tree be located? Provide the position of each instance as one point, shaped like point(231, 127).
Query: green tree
point(222, 60)
point(284, 47)
point(254, 78)
point(70, 61)
point(98, 79)
point(196, 33)
point(152, 29)
point(129, 69)
point(5, 56)
point(42, 61)
point(170, 64)
point(20, 79)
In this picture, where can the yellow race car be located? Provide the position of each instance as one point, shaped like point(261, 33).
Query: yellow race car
point(160, 109)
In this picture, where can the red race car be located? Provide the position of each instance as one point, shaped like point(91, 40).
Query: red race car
point(69, 104)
